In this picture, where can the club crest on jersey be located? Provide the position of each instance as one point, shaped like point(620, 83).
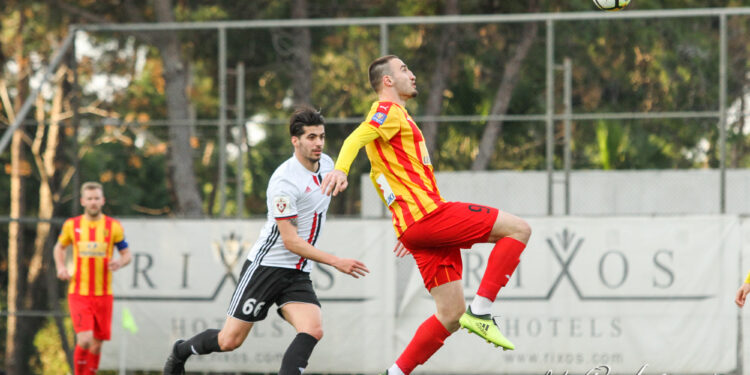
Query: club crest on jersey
point(379, 117)
point(281, 204)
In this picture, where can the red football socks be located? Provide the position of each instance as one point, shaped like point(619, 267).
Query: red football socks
point(93, 363)
point(503, 260)
point(426, 341)
point(80, 359)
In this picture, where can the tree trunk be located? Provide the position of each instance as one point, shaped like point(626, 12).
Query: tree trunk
point(16, 352)
point(301, 65)
point(502, 99)
point(446, 52)
point(41, 270)
point(181, 171)
point(13, 352)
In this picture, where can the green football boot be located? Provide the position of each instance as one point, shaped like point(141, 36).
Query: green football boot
point(485, 327)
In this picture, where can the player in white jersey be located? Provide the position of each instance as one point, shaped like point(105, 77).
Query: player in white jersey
point(277, 270)
point(292, 196)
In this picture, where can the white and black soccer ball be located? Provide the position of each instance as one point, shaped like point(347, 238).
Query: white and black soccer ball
point(611, 4)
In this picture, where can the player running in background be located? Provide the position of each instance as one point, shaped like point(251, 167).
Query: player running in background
point(277, 269)
point(742, 292)
point(432, 229)
point(93, 236)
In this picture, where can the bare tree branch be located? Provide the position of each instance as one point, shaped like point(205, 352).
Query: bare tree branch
point(502, 97)
point(438, 82)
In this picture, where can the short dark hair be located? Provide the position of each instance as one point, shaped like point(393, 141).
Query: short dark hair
point(304, 116)
point(378, 69)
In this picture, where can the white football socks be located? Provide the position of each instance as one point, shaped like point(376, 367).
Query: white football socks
point(395, 370)
point(481, 305)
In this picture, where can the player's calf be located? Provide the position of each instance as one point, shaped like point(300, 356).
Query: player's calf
point(297, 354)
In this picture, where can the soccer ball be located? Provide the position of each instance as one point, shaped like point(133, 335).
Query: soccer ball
point(611, 4)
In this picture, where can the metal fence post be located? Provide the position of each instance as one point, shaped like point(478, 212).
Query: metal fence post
point(222, 184)
point(722, 113)
point(568, 101)
point(383, 39)
point(550, 113)
point(241, 139)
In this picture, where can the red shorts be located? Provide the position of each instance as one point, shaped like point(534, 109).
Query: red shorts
point(91, 313)
point(435, 241)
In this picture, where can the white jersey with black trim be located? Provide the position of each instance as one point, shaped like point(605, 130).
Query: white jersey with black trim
point(293, 193)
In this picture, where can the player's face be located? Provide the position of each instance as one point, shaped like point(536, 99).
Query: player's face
point(403, 80)
point(309, 145)
point(92, 201)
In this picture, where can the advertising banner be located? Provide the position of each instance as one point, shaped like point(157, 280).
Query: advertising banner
point(618, 292)
point(615, 292)
point(184, 272)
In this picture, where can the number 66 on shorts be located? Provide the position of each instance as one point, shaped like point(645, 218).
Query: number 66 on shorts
point(262, 286)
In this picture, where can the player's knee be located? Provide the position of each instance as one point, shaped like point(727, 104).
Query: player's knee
point(85, 344)
point(95, 347)
point(450, 322)
point(456, 312)
point(450, 314)
point(85, 341)
point(229, 342)
point(522, 231)
point(316, 332)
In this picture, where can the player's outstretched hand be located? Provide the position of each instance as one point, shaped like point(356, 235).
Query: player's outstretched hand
point(334, 182)
point(741, 294)
point(351, 267)
point(400, 250)
point(62, 274)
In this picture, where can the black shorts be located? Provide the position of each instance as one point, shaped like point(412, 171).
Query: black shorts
point(261, 286)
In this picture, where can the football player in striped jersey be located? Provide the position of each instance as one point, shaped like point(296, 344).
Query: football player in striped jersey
point(433, 230)
point(93, 236)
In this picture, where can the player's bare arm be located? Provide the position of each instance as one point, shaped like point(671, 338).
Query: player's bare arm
point(59, 255)
point(294, 243)
point(121, 261)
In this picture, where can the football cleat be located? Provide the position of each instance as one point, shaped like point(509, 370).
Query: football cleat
point(174, 365)
point(485, 327)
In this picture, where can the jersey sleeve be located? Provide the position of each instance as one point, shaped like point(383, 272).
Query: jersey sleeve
point(118, 236)
point(282, 200)
point(361, 136)
point(385, 120)
point(66, 234)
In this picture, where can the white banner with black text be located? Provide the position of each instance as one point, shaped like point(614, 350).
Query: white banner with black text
point(616, 293)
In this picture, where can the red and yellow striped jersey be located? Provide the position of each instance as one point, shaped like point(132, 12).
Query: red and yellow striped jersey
point(93, 243)
point(400, 166)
